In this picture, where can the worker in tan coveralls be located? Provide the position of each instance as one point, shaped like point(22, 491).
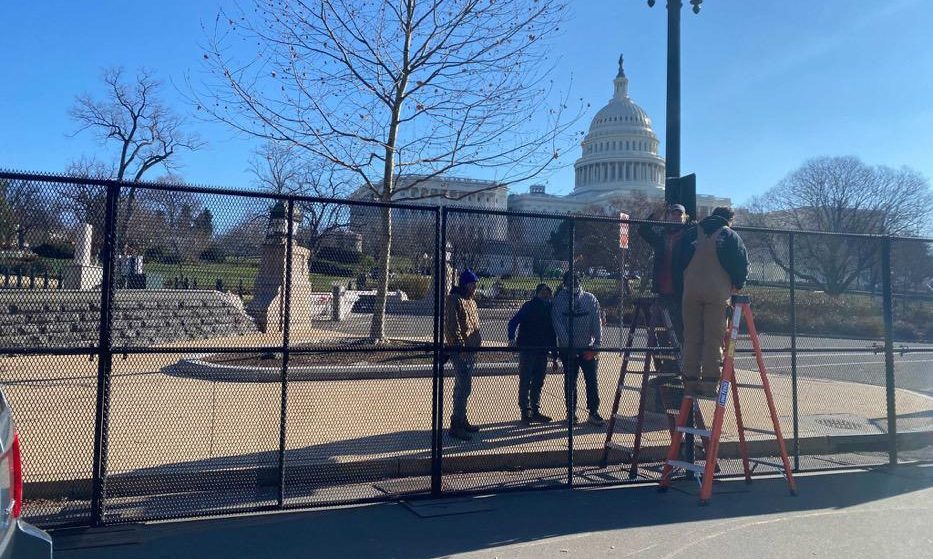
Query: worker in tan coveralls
point(715, 266)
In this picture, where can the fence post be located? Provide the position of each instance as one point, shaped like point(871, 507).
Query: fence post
point(437, 385)
point(239, 289)
point(32, 277)
point(570, 366)
point(888, 312)
point(45, 279)
point(285, 348)
point(105, 359)
point(793, 349)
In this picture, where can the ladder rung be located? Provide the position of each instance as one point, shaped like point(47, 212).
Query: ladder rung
point(695, 431)
point(761, 431)
point(618, 446)
point(743, 385)
point(766, 463)
point(686, 466)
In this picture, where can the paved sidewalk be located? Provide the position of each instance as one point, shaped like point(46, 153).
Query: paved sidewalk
point(854, 515)
point(158, 420)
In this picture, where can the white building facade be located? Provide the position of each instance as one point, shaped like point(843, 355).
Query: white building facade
point(619, 158)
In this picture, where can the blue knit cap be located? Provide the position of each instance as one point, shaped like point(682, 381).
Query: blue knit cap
point(468, 277)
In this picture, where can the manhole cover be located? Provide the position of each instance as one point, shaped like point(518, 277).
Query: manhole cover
point(836, 423)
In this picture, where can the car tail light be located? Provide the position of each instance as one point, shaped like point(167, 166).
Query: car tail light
point(16, 475)
point(11, 478)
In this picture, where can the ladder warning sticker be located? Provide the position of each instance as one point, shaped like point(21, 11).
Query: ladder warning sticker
point(723, 393)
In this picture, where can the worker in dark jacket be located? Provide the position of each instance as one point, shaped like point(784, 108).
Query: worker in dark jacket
point(668, 276)
point(715, 265)
point(536, 339)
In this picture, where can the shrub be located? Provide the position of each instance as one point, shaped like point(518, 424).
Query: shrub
point(416, 287)
point(328, 268)
point(214, 253)
point(339, 255)
point(56, 249)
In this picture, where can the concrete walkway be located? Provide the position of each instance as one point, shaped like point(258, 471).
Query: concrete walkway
point(856, 515)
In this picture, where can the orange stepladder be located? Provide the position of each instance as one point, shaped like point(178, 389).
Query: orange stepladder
point(741, 308)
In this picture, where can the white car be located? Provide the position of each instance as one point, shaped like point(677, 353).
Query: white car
point(18, 538)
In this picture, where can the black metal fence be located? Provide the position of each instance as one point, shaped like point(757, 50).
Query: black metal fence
point(255, 357)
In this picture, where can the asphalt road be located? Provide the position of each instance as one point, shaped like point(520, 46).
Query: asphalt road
point(818, 358)
point(851, 515)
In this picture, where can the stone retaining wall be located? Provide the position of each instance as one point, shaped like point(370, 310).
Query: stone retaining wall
point(64, 318)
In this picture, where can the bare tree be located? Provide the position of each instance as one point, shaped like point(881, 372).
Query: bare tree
point(283, 168)
point(414, 88)
point(144, 132)
point(840, 195)
point(31, 216)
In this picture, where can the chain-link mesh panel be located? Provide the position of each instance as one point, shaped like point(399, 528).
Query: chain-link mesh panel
point(840, 371)
point(390, 271)
point(511, 255)
point(912, 306)
point(200, 270)
point(365, 436)
point(51, 236)
point(53, 401)
point(182, 443)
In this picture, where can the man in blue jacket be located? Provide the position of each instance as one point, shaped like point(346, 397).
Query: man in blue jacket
point(535, 340)
point(715, 265)
point(587, 334)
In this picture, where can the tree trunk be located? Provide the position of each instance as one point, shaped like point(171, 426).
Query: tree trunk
point(377, 330)
point(123, 229)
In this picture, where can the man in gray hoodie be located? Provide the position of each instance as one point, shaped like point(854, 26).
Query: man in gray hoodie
point(581, 354)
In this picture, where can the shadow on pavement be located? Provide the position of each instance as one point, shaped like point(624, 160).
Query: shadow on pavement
point(629, 521)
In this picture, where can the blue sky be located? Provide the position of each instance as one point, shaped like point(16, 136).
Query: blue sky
point(767, 84)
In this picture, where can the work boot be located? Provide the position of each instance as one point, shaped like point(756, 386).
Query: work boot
point(470, 428)
point(458, 431)
point(526, 417)
point(538, 417)
point(596, 419)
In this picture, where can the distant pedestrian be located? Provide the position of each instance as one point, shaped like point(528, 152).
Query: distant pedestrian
point(715, 265)
point(668, 279)
point(461, 333)
point(536, 339)
point(581, 354)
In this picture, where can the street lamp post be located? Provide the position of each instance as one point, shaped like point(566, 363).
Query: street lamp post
point(672, 140)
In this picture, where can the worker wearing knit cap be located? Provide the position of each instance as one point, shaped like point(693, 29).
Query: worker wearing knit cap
point(461, 332)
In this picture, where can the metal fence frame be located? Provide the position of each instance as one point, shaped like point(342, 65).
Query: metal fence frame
point(105, 350)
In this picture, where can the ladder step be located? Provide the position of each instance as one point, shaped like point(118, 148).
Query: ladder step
point(743, 385)
point(686, 466)
point(766, 463)
point(618, 446)
point(760, 431)
point(695, 431)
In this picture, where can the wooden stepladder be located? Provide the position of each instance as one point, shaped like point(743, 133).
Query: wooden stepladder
point(741, 309)
point(664, 348)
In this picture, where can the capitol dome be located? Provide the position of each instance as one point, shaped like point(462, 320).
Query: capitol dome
point(620, 151)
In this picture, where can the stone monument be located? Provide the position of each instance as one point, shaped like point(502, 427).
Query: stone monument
point(268, 305)
point(81, 273)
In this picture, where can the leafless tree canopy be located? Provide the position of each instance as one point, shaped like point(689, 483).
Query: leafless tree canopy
point(142, 130)
point(390, 88)
point(284, 168)
point(841, 195)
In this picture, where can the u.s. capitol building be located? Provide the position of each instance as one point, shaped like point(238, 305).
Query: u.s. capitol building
point(620, 158)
